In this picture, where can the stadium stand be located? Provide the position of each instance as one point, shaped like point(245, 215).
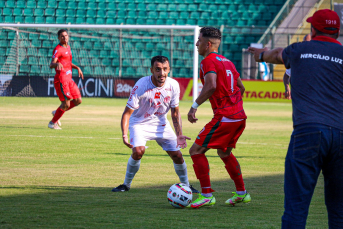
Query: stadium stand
point(239, 18)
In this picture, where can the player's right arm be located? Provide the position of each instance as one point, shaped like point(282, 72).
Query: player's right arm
point(286, 79)
point(125, 118)
point(208, 89)
point(54, 63)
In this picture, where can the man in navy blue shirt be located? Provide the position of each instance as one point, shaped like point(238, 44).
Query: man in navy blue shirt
point(317, 140)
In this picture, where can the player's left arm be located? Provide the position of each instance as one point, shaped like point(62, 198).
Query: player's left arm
point(78, 69)
point(273, 56)
point(240, 86)
point(177, 123)
point(207, 91)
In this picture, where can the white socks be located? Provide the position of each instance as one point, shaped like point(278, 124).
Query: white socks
point(131, 170)
point(181, 171)
point(241, 192)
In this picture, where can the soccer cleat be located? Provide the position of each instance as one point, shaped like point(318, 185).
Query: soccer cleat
point(121, 188)
point(203, 201)
point(55, 126)
point(193, 189)
point(58, 122)
point(235, 199)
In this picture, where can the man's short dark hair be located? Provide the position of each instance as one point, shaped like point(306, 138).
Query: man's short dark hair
point(160, 59)
point(211, 32)
point(61, 31)
point(319, 33)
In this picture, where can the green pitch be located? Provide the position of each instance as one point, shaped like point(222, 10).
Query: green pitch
point(63, 178)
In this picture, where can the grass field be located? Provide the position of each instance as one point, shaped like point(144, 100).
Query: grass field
point(63, 178)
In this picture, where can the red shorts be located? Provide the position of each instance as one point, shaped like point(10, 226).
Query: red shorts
point(67, 90)
point(220, 135)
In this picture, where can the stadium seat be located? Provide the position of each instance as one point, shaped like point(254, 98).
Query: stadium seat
point(109, 71)
point(161, 7)
point(38, 12)
point(32, 60)
point(111, 14)
point(19, 19)
point(202, 7)
point(92, 6)
point(29, 20)
point(10, 4)
point(7, 12)
point(72, 5)
point(36, 43)
point(129, 72)
point(46, 44)
point(95, 61)
point(121, 14)
point(153, 15)
point(52, 4)
point(102, 6)
point(192, 8)
point(2, 4)
point(120, 21)
point(29, 4)
point(80, 13)
point(49, 12)
point(171, 7)
point(191, 22)
point(232, 8)
point(184, 15)
point(24, 69)
point(44, 52)
point(90, 21)
point(82, 5)
point(17, 12)
point(116, 62)
point(141, 7)
point(131, 14)
point(91, 14)
point(28, 12)
point(195, 15)
point(100, 21)
point(88, 70)
point(110, 21)
point(106, 62)
point(80, 20)
point(61, 5)
point(3, 43)
point(50, 20)
point(71, 20)
point(182, 7)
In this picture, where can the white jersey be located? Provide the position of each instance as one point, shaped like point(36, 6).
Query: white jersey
point(151, 103)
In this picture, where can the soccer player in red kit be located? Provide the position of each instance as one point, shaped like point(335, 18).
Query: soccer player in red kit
point(66, 89)
point(223, 87)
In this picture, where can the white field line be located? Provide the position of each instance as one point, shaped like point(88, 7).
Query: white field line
point(38, 136)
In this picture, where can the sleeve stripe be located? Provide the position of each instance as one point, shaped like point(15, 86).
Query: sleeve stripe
point(210, 72)
point(131, 107)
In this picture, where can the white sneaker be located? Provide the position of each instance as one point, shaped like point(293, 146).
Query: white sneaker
point(55, 126)
point(58, 122)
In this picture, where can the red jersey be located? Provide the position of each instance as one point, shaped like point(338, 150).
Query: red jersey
point(64, 56)
point(227, 99)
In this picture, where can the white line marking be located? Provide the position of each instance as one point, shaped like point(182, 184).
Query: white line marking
point(38, 136)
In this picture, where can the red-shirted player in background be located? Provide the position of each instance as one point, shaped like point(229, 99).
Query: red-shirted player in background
point(223, 87)
point(66, 89)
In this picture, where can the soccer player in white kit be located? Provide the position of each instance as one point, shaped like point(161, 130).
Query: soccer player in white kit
point(145, 115)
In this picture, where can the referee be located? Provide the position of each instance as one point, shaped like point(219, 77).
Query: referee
point(317, 140)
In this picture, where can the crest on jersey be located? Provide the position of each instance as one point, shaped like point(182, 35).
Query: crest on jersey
point(157, 95)
point(167, 99)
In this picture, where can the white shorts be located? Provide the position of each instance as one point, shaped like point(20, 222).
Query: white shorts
point(164, 136)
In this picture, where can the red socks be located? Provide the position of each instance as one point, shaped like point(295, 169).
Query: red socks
point(58, 115)
point(234, 169)
point(202, 172)
point(71, 105)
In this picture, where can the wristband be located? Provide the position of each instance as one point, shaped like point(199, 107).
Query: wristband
point(261, 56)
point(124, 135)
point(195, 105)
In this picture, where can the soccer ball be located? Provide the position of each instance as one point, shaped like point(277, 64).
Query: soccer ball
point(179, 195)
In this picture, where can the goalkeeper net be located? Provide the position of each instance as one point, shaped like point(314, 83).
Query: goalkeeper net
point(119, 51)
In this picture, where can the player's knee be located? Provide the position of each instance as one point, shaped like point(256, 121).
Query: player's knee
point(77, 101)
point(64, 106)
point(138, 153)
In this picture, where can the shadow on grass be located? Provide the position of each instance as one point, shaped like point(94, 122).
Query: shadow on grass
point(183, 154)
point(21, 127)
point(147, 207)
